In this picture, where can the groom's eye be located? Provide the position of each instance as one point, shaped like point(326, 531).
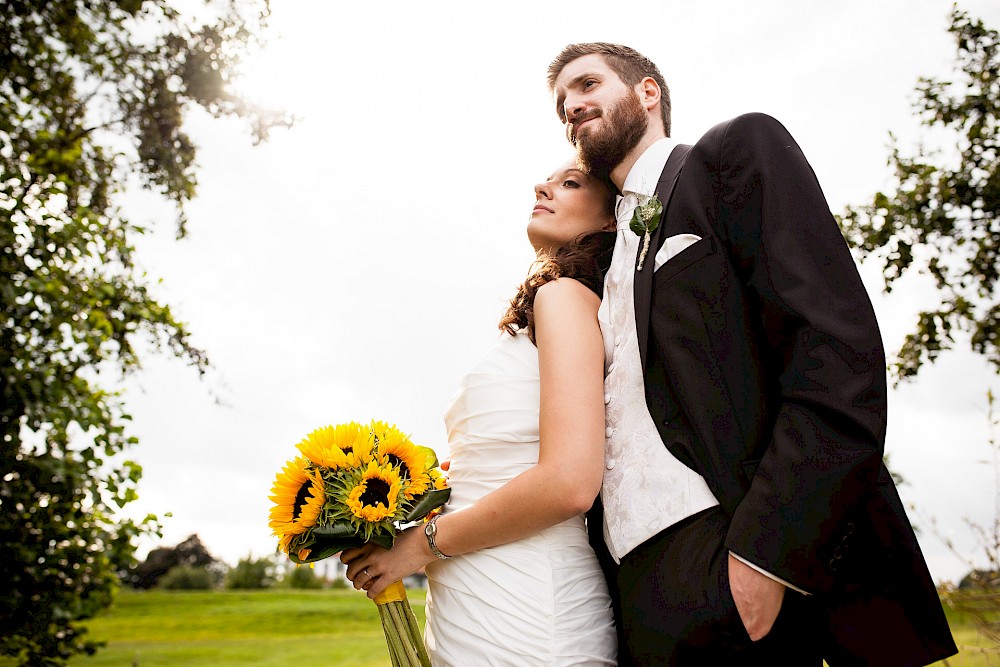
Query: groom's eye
point(589, 83)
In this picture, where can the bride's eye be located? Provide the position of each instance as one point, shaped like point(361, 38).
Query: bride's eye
point(571, 184)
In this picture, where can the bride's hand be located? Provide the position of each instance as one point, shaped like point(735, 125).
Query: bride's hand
point(372, 568)
point(356, 559)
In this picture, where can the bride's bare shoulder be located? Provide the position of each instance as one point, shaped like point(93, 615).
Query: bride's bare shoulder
point(565, 294)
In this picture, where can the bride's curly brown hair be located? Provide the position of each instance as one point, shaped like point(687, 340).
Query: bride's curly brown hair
point(584, 259)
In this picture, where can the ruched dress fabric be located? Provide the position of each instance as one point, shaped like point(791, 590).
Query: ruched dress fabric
point(541, 600)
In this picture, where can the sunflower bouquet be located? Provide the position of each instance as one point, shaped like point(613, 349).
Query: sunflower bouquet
point(353, 484)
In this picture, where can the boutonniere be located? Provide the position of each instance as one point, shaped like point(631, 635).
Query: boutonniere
point(645, 220)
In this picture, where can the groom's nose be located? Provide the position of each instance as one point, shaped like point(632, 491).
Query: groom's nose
point(573, 108)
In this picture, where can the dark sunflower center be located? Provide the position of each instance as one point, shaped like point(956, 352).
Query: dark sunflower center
point(300, 500)
point(400, 465)
point(376, 491)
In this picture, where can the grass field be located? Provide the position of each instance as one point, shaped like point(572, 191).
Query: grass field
point(280, 627)
point(269, 628)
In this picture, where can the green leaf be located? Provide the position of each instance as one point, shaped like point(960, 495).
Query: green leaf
point(427, 502)
point(329, 540)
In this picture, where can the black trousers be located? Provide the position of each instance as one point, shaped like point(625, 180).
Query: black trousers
point(677, 607)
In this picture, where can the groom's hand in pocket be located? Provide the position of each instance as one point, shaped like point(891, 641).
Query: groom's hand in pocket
point(758, 598)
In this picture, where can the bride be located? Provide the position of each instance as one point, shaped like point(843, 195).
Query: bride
point(512, 577)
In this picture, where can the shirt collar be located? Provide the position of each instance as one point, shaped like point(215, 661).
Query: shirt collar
point(645, 173)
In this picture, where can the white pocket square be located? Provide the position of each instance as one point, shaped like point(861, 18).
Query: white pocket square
point(671, 247)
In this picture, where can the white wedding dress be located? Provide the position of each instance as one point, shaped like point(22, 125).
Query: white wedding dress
point(541, 600)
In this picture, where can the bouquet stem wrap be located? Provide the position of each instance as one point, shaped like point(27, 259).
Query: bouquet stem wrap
point(402, 634)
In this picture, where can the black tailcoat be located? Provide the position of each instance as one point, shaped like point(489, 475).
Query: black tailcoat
point(765, 373)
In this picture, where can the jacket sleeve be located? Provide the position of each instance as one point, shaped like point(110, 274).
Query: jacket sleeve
point(822, 352)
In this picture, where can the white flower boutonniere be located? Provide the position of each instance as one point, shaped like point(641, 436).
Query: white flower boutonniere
point(645, 220)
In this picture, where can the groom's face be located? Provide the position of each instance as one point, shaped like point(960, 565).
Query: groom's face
point(604, 117)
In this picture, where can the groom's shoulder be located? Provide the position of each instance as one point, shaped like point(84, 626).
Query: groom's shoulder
point(753, 123)
point(753, 127)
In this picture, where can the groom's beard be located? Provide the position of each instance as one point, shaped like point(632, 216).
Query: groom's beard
point(601, 150)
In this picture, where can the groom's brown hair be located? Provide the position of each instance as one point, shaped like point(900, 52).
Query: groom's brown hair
point(630, 66)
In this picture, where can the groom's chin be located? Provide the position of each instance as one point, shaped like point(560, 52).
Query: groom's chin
point(592, 164)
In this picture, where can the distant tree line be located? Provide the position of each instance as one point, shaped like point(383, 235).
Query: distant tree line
point(190, 566)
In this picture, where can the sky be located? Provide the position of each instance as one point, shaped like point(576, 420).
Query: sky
point(354, 267)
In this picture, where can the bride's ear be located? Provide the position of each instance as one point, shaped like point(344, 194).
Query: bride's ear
point(611, 225)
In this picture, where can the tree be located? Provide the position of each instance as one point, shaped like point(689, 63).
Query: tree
point(187, 578)
point(93, 94)
point(190, 553)
point(251, 573)
point(302, 577)
point(943, 216)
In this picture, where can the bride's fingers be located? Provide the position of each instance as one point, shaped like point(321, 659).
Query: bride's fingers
point(378, 585)
point(348, 555)
point(372, 580)
point(356, 572)
point(360, 573)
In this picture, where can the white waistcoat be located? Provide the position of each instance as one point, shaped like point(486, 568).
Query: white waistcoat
point(646, 489)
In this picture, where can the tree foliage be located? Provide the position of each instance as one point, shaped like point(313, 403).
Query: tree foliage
point(251, 573)
point(943, 216)
point(190, 553)
point(302, 577)
point(93, 94)
point(187, 578)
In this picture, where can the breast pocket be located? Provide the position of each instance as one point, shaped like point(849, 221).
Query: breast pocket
point(685, 259)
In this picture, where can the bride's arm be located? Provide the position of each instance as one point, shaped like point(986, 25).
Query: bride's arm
point(568, 474)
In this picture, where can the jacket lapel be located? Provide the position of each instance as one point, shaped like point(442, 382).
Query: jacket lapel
point(643, 283)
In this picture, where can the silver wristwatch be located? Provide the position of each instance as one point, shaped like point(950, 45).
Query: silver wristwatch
point(430, 530)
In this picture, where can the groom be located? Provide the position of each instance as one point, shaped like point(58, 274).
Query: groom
point(747, 516)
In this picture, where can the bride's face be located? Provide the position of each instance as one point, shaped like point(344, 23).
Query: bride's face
point(567, 205)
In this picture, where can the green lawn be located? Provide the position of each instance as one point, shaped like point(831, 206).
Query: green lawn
point(254, 628)
point(281, 627)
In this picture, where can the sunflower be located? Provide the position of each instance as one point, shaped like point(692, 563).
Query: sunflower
point(394, 448)
point(375, 496)
point(335, 447)
point(298, 497)
point(438, 480)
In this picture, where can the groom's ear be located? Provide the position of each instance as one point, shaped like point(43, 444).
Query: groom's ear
point(649, 93)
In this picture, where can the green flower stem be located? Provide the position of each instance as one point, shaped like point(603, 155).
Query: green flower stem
point(402, 628)
point(415, 634)
point(392, 638)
